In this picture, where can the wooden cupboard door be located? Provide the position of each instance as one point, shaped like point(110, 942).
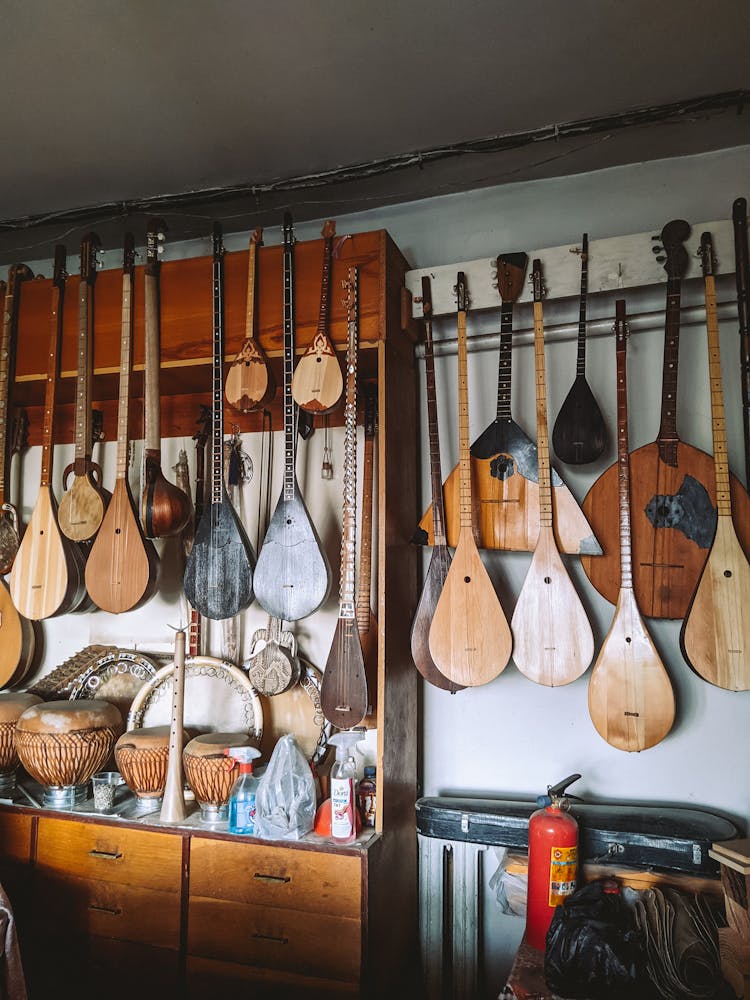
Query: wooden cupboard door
point(277, 876)
point(110, 854)
point(15, 837)
point(275, 938)
point(83, 908)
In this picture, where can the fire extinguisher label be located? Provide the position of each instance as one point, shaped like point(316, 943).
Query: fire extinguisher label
point(563, 869)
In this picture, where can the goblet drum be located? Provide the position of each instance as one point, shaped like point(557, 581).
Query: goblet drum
point(210, 773)
point(12, 704)
point(142, 756)
point(62, 743)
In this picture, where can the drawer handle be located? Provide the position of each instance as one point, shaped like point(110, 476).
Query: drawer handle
point(269, 937)
point(105, 909)
point(272, 878)
point(105, 855)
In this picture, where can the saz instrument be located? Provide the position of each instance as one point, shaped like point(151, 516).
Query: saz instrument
point(579, 434)
point(250, 382)
point(672, 488)
point(715, 635)
point(48, 573)
point(273, 666)
point(343, 692)
point(366, 621)
point(742, 272)
point(440, 559)
point(470, 640)
point(9, 523)
point(631, 701)
point(83, 504)
point(504, 462)
point(165, 509)
point(552, 639)
point(292, 578)
point(122, 566)
point(317, 382)
point(219, 569)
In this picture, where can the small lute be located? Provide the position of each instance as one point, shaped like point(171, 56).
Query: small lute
point(273, 666)
point(165, 509)
point(250, 382)
point(317, 383)
point(48, 573)
point(440, 558)
point(9, 523)
point(219, 570)
point(343, 691)
point(553, 643)
point(579, 434)
point(631, 701)
point(504, 462)
point(83, 503)
point(470, 640)
point(292, 578)
point(122, 567)
point(715, 635)
point(742, 273)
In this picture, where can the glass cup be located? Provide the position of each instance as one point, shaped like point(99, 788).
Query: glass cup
point(105, 784)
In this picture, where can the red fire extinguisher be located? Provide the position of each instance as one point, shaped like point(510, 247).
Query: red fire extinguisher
point(553, 860)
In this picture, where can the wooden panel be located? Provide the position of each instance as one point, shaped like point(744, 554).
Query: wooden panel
point(88, 907)
point(15, 837)
point(271, 937)
point(97, 851)
point(205, 976)
point(276, 876)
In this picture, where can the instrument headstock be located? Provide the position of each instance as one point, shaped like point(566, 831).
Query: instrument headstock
point(59, 274)
point(621, 325)
point(511, 272)
point(585, 248)
point(329, 230)
point(257, 238)
point(288, 230)
point(669, 247)
point(218, 242)
point(204, 422)
point(371, 409)
point(16, 274)
point(128, 255)
point(536, 280)
point(90, 246)
point(462, 295)
point(20, 432)
point(351, 289)
point(155, 236)
point(706, 254)
point(426, 297)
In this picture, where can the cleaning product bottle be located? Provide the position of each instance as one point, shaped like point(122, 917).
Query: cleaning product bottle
point(343, 786)
point(242, 796)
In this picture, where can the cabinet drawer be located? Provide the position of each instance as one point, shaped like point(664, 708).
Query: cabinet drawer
point(88, 908)
point(209, 977)
point(15, 837)
point(276, 876)
point(91, 850)
point(274, 938)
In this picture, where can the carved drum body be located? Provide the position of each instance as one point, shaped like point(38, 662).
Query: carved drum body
point(142, 756)
point(210, 773)
point(12, 705)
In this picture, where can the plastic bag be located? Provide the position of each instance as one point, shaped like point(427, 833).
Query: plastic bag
point(510, 889)
point(285, 802)
point(593, 948)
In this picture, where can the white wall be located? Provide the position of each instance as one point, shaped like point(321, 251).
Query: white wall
point(512, 737)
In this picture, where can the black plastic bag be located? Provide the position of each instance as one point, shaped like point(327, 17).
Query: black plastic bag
point(593, 947)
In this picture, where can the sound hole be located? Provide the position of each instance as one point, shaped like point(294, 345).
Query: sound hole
point(117, 531)
point(628, 638)
point(318, 360)
point(548, 579)
point(467, 579)
point(727, 573)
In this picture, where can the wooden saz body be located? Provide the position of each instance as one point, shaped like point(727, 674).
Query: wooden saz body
point(82, 507)
point(17, 641)
point(470, 639)
point(631, 701)
point(553, 643)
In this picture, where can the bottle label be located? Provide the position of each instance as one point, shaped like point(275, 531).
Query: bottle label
point(342, 808)
point(563, 868)
point(367, 802)
point(242, 818)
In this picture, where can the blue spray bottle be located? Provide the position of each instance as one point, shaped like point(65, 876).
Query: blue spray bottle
point(242, 796)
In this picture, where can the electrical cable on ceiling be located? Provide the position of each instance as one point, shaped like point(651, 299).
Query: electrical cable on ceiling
point(712, 104)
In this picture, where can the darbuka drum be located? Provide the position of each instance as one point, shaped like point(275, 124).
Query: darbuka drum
point(141, 756)
point(62, 743)
point(210, 773)
point(12, 705)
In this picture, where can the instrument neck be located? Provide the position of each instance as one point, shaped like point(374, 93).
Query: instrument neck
point(623, 472)
point(365, 545)
point(436, 475)
point(322, 331)
point(545, 482)
point(349, 530)
point(252, 268)
point(153, 361)
point(581, 358)
point(718, 421)
point(464, 458)
point(742, 270)
point(83, 444)
point(53, 362)
point(668, 439)
point(504, 362)
point(7, 366)
point(217, 447)
point(290, 409)
point(126, 350)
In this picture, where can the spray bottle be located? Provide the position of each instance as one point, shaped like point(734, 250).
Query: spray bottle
point(242, 796)
point(343, 782)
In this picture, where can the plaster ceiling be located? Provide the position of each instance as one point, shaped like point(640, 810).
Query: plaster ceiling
point(121, 101)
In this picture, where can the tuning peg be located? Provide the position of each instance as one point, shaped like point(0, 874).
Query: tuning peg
point(661, 259)
point(160, 249)
point(160, 236)
point(656, 237)
point(656, 249)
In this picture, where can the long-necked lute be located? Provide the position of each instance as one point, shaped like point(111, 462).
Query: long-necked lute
point(292, 578)
point(122, 567)
point(742, 273)
point(440, 558)
point(631, 701)
point(673, 490)
point(579, 434)
point(552, 639)
point(343, 691)
point(250, 382)
point(48, 573)
point(367, 623)
point(9, 522)
point(164, 507)
point(715, 636)
point(470, 639)
point(317, 382)
point(219, 569)
point(504, 462)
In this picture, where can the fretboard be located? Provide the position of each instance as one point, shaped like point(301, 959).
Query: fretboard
point(217, 447)
point(83, 377)
point(6, 359)
point(321, 334)
point(290, 435)
point(718, 421)
point(126, 347)
point(365, 545)
point(152, 429)
point(49, 394)
point(252, 266)
point(349, 528)
point(581, 359)
point(436, 475)
point(465, 499)
point(667, 439)
point(623, 460)
point(505, 362)
point(542, 437)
